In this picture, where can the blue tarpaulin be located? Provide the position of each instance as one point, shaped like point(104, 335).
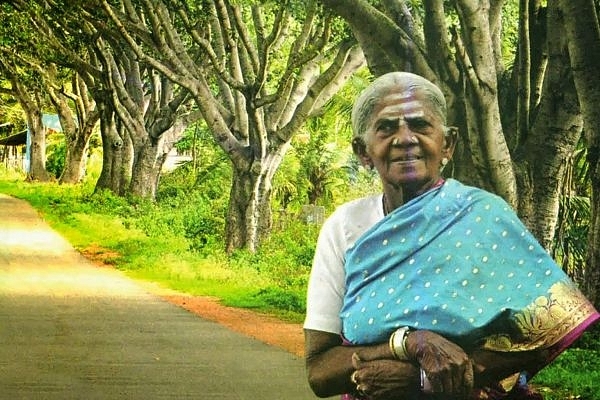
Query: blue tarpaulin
point(50, 121)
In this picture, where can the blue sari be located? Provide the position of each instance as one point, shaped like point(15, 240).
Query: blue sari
point(458, 261)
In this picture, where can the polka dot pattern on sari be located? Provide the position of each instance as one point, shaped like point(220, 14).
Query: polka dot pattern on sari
point(454, 260)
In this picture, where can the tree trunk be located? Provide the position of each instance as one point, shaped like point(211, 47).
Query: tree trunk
point(250, 214)
point(146, 168)
point(551, 140)
point(77, 135)
point(31, 104)
point(78, 130)
point(75, 158)
point(116, 156)
point(37, 147)
point(583, 35)
point(591, 284)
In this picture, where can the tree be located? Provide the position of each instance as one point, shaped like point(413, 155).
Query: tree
point(143, 113)
point(77, 128)
point(22, 45)
point(321, 164)
point(26, 86)
point(153, 111)
point(77, 131)
point(256, 71)
point(517, 126)
point(31, 103)
point(583, 37)
point(327, 170)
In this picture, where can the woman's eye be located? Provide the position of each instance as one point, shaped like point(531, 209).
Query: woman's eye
point(387, 127)
point(417, 124)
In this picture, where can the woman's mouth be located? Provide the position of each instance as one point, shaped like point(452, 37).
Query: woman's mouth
point(406, 159)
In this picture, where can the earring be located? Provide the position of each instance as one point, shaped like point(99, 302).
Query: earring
point(443, 163)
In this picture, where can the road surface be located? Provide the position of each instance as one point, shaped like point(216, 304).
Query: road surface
point(72, 330)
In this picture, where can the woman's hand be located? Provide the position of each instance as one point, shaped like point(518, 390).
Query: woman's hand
point(493, 366)
point(382, 379)
point(447, 367)
point(329, 362)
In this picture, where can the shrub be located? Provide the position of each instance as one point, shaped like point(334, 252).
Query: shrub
point(55, 162)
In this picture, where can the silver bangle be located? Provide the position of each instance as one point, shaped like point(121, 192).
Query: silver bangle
point(398, 343)
point(425, 384)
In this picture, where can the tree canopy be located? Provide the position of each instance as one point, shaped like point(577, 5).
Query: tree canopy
point(255, 72)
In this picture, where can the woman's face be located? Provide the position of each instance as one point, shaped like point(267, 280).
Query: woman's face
point(405, 141)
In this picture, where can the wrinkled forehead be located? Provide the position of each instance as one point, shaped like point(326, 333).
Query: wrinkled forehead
point(405, 104)
point(400, 88)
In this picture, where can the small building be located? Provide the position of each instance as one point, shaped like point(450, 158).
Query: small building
point(13, 147)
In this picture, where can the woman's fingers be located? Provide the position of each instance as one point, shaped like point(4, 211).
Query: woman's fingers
point(449, 371)
point(447, 366)
point(458, 382)
point(468, 381)
point(384, 379)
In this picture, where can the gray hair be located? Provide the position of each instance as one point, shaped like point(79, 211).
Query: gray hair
point(393, 81)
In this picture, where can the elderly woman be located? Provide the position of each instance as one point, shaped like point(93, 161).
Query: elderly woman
point(432, 288)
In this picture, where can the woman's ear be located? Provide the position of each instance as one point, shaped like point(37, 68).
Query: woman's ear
point(360, 150)
point(450, 139)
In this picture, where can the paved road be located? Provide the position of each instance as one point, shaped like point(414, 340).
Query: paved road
point(69, 330)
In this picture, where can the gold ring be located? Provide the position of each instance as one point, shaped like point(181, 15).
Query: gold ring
point(353, 378)
point(360, 390)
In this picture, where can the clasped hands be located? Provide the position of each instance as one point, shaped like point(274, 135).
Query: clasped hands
point(449, 370)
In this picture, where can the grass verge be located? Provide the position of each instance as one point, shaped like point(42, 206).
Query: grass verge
point(105, 230)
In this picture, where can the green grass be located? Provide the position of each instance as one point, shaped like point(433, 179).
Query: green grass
point(575, 374)
point(118, 234)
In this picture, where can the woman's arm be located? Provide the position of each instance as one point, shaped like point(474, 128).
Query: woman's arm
point(330, 366)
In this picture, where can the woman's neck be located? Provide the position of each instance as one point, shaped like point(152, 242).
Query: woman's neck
point(396, 197)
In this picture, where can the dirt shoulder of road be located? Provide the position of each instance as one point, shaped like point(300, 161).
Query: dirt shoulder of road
point(265, 328)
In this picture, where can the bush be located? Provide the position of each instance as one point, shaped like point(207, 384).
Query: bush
point(285, 256)
point(55, 162)
point(280, 299)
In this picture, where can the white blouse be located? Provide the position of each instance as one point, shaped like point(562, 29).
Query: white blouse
point(326, 285)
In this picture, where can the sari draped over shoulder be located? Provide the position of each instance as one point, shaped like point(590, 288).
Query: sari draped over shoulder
point(458, 261)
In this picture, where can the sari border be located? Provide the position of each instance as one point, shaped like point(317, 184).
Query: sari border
point(573, 335)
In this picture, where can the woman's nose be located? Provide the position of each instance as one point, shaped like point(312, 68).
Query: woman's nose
point(404, 136)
